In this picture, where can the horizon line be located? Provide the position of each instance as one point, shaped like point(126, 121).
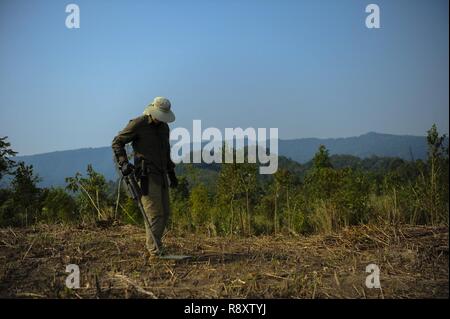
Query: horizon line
point(280, 139)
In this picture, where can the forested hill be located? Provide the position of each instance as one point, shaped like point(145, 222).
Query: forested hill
point(55, 166)
point(383, 145)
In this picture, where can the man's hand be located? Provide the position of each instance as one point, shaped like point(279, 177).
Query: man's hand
point(173, 179)
point(126, 168)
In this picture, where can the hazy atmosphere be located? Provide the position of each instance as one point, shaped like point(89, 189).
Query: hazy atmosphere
point(310, 68)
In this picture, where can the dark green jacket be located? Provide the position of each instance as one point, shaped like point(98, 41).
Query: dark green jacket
point(150, 143)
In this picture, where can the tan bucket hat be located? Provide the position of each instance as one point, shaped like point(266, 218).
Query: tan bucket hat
point(160, 110)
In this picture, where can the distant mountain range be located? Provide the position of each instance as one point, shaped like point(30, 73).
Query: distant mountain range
point(407, 147)
point(54, 167)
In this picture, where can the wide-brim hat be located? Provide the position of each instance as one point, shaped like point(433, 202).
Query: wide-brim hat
point(160, 110)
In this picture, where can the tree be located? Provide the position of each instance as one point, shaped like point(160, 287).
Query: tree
point(6, 165)
point(283, 182)
point(248, 183)
point(200, 206)
point(180, 217)
point(93, 192)
point(431, 191)
point(181, 192)
point(322, 158)
point(57, 205)
point(227, 190)
point(26, 194)
point(435, 142)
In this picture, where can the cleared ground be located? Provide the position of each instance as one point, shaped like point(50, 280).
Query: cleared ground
point(413, 262)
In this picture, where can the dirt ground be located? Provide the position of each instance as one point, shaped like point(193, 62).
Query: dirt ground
point(413, 263)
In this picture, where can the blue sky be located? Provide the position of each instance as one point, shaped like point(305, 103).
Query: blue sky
point(310, 68)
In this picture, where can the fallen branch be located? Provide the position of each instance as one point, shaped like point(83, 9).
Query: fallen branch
point(135, 285)
point(29, 248)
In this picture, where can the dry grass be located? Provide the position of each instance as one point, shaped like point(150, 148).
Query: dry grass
point(113, 264)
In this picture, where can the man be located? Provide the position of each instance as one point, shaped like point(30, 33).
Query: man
point(149, 135)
